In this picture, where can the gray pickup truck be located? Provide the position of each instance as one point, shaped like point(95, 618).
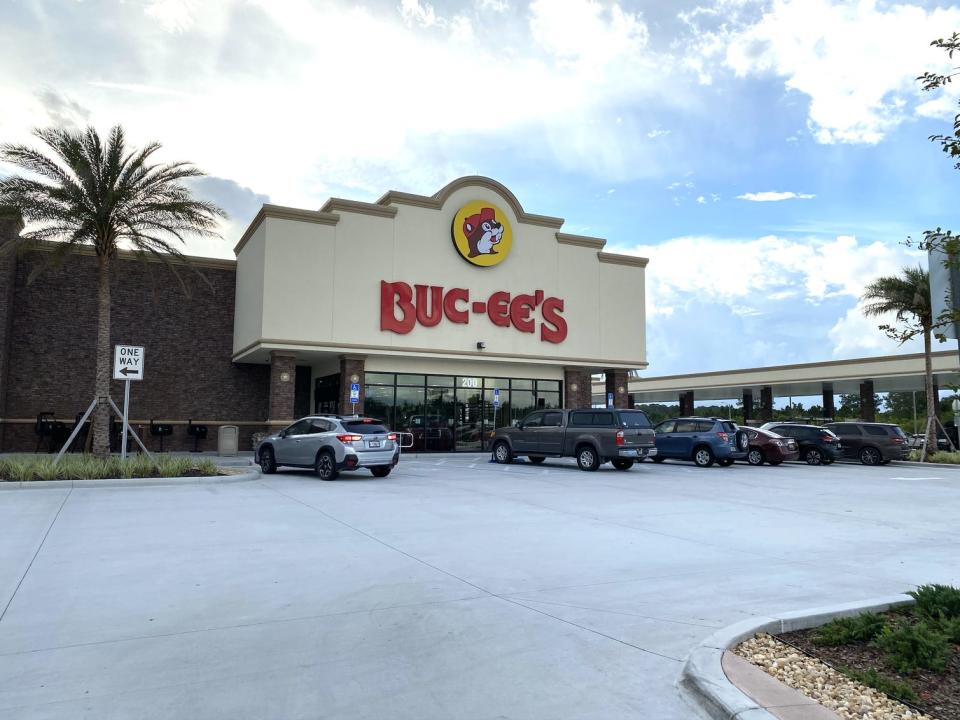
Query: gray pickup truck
point(591, 435)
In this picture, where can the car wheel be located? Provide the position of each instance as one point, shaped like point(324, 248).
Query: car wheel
point(813, 457)
point(536, 459)
point(657, 459)
point(587, 458)
point(622, 464)
point(268, 465)
point(870, 456)
point(703, 456)
point(755, 456)
point(742, 440)
point(381, 470)
point(502, 454)
point(326, 466)
point(725, 462)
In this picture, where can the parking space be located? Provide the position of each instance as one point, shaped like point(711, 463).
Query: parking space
point(454, 588)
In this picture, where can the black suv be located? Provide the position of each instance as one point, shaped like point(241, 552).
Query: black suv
point(872, 443)
point(818, 446)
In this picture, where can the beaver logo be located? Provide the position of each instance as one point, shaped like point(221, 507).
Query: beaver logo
point(481, 233)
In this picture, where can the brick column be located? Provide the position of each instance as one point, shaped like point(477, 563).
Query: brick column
point(766, 403)
point(351, 371)
point(867, 411)
point(9, 229)
point(829, 410)
point(283, 369)
point(747, 406)
point(577, 388)
point(616, 383)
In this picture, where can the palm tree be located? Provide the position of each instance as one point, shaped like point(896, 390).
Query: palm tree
point(908, 297)
point(85, 192)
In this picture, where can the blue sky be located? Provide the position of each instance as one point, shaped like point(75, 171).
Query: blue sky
point(768, 156)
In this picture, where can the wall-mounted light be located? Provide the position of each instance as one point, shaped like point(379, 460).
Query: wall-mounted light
point(481, 345)
point(284, 377)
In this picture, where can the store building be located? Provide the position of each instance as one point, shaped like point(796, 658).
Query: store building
point(449, 314)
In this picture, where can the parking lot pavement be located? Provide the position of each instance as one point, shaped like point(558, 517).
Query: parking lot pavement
point(452, 589)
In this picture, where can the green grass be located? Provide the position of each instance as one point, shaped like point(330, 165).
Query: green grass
point(86, 467)
point(941, 456)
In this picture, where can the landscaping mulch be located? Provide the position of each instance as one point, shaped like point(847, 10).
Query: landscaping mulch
point(938, 694)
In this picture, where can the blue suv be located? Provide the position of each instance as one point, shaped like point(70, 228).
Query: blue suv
point(702, 440)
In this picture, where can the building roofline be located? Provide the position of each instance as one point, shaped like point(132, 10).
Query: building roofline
point(283, 212)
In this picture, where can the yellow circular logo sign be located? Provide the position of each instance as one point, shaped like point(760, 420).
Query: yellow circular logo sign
point(482, 233)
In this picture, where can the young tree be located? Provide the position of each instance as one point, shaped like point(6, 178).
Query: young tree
point(84, 192)
point(907, 296)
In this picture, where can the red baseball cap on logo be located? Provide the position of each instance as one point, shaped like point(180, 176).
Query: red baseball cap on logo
point(474, 220)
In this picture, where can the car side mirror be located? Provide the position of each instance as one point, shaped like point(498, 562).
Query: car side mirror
point(518, 425)
point(283, 433)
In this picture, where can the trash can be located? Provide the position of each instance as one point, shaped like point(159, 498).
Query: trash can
point(228, 440)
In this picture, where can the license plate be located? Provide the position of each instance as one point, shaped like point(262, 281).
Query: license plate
point(374, 443)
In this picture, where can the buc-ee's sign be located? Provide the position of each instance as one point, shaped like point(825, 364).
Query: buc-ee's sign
point(402, 307)
point(482, 236)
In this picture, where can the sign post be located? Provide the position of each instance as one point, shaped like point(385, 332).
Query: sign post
point(127, 366)
point(496, 404)
point(354, 396)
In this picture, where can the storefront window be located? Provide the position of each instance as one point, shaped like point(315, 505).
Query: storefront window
point(379, 378)
point(378, 402)
point(446, 412)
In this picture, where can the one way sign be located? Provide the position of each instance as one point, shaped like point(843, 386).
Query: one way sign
point(127, 362)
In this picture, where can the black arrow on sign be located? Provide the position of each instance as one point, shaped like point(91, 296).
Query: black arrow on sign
point(127, 371)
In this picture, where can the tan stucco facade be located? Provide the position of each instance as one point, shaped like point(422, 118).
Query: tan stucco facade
point(310, 282)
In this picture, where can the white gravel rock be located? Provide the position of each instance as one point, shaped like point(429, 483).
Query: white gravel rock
point(846, 697)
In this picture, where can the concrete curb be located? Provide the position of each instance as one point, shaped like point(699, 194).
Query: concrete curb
point(704, 681)
point(253, 474)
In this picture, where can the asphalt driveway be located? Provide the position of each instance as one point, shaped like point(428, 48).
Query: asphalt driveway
point(452, 589)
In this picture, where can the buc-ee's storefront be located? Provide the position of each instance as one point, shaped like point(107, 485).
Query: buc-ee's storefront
point(453, 314)
point(448, 315)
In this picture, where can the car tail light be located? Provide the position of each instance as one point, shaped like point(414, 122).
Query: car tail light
point(619, 437)
point(827, 438)
point(896, 440)
point(392, 436)
point(349, 438)
point(723, 436)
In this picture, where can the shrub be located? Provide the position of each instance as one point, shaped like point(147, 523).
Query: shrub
point(863, 627)
point(944, 456)
point(950, 627)
point(937, 601)
point(83, 467)
point(894, 688)
point(909, 647)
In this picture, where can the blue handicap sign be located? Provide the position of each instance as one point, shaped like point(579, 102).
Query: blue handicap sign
point(354, 392)
point(496, 397)
point(609, 400)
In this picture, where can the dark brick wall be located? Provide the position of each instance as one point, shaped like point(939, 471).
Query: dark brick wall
point(583, 395)
point(188, 344)
point(351, 365)
point(616, 383)
point(283, 368)
point(9, 229)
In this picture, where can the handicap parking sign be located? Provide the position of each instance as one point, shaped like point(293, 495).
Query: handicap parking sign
point(355, 392)
point(496, 397)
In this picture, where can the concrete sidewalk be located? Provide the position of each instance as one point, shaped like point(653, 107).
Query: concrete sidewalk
point(452, 589)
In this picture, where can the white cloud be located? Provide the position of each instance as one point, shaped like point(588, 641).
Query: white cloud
point(764, 282)
point(173, 15)
point(773, 196)
point(701, 200)
point(856, 61)
point(497, 6)
point(657, 132)
point(419, 13)
point(854, 335)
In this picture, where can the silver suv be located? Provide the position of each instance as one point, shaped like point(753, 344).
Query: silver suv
point(329, 444)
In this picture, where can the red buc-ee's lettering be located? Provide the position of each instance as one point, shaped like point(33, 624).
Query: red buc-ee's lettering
point(402, 307)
